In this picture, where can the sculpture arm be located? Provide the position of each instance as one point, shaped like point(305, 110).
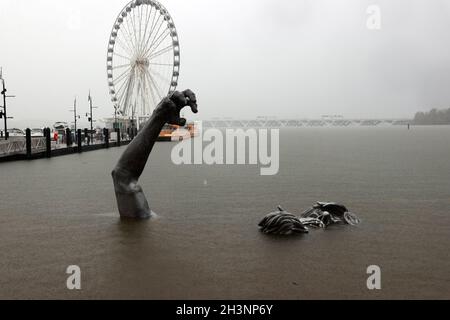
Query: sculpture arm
point(131, 200)
point(134, 159)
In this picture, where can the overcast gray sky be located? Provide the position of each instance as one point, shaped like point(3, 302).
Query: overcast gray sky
point(248, 58)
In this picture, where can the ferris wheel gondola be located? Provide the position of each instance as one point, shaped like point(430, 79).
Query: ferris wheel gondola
point(143, 59)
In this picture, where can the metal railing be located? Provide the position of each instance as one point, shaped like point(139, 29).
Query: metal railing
point(19, 146)
point(49, 145)
point(12, 146)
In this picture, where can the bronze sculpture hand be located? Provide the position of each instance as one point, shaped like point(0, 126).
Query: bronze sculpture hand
point(131, 200)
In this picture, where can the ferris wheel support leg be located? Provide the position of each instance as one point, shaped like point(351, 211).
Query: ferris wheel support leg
point(131, 199)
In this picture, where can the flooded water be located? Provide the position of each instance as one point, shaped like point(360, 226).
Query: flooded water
point(205, 244)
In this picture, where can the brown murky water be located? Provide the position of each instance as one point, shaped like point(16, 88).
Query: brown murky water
point(205, 243)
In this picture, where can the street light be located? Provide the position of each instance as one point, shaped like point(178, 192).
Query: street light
point(133, 118)
point(90, 115)
point(115, 116)
point(74, 110)
point(117, 113)
point(4, 113)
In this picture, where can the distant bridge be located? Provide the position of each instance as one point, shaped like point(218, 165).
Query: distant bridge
point(264, 123)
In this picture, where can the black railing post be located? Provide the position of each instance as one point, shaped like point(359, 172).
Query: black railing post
point(48, 142)
point(68, 138)
point(118, 137)
point(106, 135)
point(28, 142)
point(80, 142)
point(87, 136)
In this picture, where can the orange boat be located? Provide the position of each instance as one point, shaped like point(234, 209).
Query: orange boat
point(177, 133)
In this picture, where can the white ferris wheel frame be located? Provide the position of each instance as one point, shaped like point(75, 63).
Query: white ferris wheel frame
point(138, 84)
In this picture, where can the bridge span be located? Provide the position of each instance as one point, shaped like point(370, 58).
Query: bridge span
point(292, 123)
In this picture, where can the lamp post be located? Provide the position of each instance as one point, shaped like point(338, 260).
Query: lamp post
point(117, 113)
point(90, 115)
point(115, 117)
point(75, 115)
point(133, 118)
point(3, 113)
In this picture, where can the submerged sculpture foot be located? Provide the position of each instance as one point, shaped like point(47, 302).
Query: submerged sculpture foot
point(321, 215)
point(131, 199)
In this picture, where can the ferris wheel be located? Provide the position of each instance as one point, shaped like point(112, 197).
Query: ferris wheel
point(143, 60)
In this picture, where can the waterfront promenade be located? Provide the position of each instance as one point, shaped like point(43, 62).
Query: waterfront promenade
point(29, 148)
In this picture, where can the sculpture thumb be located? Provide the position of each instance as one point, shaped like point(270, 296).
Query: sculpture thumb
point(182, 122)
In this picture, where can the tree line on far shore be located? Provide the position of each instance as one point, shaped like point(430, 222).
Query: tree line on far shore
point(433, 117)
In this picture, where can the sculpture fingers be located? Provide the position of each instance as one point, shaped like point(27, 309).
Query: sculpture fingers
point(191, 100)
point(179, 99)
